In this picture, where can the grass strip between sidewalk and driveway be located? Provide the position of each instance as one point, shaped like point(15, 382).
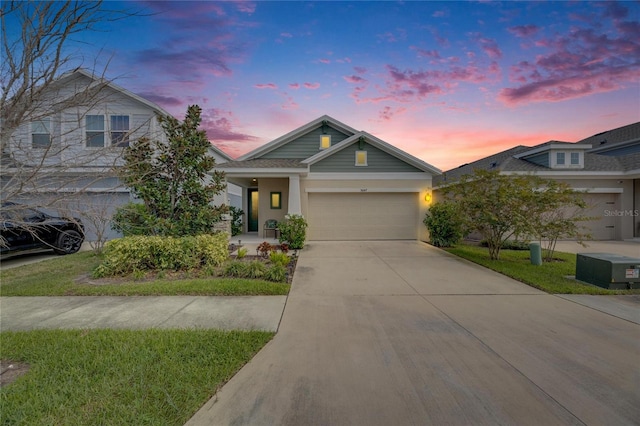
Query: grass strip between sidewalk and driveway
point(120, 376)
point(61, 277)
point(551, 277)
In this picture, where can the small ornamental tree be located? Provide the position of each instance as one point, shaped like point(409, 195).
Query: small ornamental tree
point(170, 176)
point(503, 206)
point(444, 224)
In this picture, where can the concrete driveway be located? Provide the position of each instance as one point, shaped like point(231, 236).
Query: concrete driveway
point(400, 333)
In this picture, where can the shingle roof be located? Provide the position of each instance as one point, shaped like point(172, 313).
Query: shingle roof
point(264, 163)
point(614, 136)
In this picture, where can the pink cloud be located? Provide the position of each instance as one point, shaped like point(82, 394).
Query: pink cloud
point(524, 30)
point(354, 79)
point(312, 86)
point(220, 127)
point(272, 86)
point(294, 86)
point(578, 64)
point(490, 47)
point(324, 61)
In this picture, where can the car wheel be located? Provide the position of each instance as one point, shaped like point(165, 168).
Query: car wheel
point(69, 242)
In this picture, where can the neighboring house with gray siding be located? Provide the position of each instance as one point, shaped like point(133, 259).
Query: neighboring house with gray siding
point(348, 184)
point(605, 166)
point(64, 156)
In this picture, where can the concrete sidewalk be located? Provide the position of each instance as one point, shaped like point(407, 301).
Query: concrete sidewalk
point(400, 333)
point(139, 312)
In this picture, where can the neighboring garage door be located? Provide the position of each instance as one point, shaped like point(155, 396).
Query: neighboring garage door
point(602, 208)
point(358, 216)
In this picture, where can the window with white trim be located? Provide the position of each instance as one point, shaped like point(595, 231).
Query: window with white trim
point(325, 141)
point(119, 130)
point(94, 131)
point(41, 133)
point(575, 158)
point(361, 158)
point(560, 158)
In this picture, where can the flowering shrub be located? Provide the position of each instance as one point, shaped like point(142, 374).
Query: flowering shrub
point(293, 231)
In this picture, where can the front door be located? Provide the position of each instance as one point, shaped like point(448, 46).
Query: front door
point(252, 220)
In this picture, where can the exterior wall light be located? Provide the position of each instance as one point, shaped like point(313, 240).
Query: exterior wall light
point(428, 197)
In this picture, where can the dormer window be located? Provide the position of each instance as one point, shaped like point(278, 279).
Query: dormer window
point(325, 141)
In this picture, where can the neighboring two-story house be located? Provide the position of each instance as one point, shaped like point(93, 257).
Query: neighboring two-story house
point(65, 158)
point(605, 167)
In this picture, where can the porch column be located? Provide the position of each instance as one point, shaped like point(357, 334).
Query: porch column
point(294, 195)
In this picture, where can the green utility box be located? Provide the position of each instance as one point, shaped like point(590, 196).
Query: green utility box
point(607, 270)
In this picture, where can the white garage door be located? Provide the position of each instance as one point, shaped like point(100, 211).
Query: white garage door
point(602, 208)
point(358, 216)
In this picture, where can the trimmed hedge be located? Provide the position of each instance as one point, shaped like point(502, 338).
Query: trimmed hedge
point(127, 255)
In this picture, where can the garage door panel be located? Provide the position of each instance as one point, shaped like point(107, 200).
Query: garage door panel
point(356, 216)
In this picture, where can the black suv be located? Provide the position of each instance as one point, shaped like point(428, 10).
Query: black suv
point(26, 229)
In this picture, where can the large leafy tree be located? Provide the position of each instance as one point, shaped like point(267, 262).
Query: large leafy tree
point(171, 176)
point(501, 207)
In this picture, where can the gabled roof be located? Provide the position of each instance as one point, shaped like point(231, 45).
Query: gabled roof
point(221, 153)
point(543, 147)
point(283, 140)
point(613, 138)
point(101, 80)
point(378, 143)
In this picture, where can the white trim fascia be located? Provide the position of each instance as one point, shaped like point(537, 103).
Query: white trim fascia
point(294, 134)
point(604, 147)
point(421, 176)
point(600, 190)
point(359, 190)
point(571, 174)
point(220, 153)
point(378, 143)
point(266, 172)
point(82, 190)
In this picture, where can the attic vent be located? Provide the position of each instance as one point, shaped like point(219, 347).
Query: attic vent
point(493, 165)
point(603, 141)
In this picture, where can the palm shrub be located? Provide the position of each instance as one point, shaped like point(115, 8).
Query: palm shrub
point(279, 258)
point(293, 231)
point(444, 224)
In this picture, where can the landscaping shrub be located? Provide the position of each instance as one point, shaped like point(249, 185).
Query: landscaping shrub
point(293, 231)
point(236, 220)
point(276, 273)
point(146, 253)
point(255, 269)
point(279, 258)
point(235, 268)
point(264, 249)
point(242, 252)
point(444, 224)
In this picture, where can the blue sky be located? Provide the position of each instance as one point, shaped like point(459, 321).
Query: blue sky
point(449, 82)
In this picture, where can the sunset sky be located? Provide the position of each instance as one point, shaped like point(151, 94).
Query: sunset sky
point(449, 82)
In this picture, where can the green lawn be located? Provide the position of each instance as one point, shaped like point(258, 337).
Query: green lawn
point(550, 276)
point(109, 377)
point(59, 277)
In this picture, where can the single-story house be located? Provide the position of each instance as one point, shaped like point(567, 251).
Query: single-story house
point(348, 184)
point(605, 166)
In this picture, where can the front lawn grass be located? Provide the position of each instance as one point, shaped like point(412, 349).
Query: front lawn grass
point(550, 276)
point(109, 377)
point(59, 277)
